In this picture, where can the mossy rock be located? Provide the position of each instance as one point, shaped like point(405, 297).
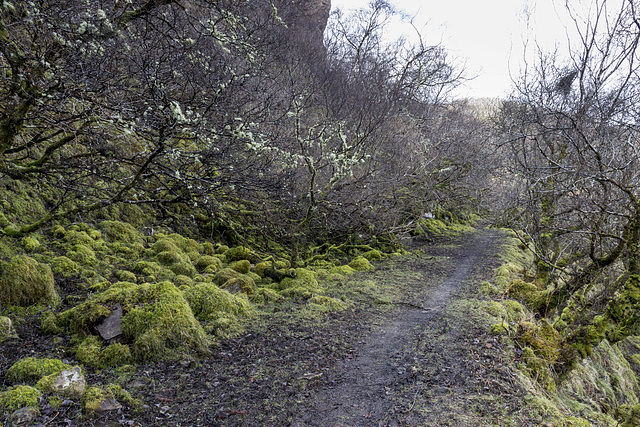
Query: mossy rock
point(30, 244)
point(148, 268)
point(90, 352)
point(527, 292)
point(373, 255)
point(64, 267)
point(515, 310)
point(174, 259)
point(224, 275)
point(99, 399)
point(304, 284)
point(207, 248)
point(361, 264)
point(126, 276)
point(83, 254)
point(181, 280)
point(237, 253)
point(165, 245)
point(117, 231)
point(343, 270)
point(242, 266)
point(30, 369)
point(205, 261)
point(157, 321)
point(25, 281)
point(265, 295)
point(20, 396)
point(209, 302)
point(184, 243)
point(241, 284)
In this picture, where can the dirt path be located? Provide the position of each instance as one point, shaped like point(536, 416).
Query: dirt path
point(401, 358)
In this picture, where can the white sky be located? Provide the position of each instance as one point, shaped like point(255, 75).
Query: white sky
point(487, 35)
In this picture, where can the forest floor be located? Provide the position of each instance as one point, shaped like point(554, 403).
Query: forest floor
point(412, 348)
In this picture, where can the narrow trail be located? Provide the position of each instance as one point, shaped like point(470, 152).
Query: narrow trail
point(399, 359)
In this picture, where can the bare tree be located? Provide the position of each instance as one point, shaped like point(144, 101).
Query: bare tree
point(571, 131)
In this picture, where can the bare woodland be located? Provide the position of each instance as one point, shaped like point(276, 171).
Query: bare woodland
point(217, 110)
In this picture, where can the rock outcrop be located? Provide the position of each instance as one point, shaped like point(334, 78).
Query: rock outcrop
point(307, 19)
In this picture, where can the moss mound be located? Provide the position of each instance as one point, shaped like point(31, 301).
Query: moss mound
point(20, 396)
point(30, 369)
point(219, 308)
point(304, 284)
point(361, 264)
point(157, 321)
point(238, 253)
point(208, 302)
point(25, 281)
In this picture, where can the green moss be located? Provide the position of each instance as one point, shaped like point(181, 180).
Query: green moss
point(77, 237)
point(237, 253)
point(157, 320)
point(20, 396)
point(147, 268)
point(515, 310)
point(499, 329)
point(206, 248)
point(177, 261)
point(55, 401)
point(208, 262)
point(242, 266)
point(115, 354)
point(373, 255)
point(304, 284)
point(88, 352)
point(489, 289)
point(30, 244)
point(25, 281)
point(30, 369)
point(542, 338)
point(327, 303)
point(538, 369)
point(116, 231)
point(64, 267)
point(343, 270)
point(208, 301)
point(58, 231)
point(126, 276)
point(224, 275)
point(48, 323)
point(6, 329)
point(241, 284)
point(361, 264)
point(165, 245)
point(221, 249)
point(181, 280)
point(264, 295)
point(628, 415)
point(82, 254)
point(93, 399)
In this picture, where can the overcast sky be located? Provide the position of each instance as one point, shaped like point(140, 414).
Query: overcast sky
point(488, 35)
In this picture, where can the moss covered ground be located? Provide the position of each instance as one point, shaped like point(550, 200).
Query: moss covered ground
point(202, 318)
